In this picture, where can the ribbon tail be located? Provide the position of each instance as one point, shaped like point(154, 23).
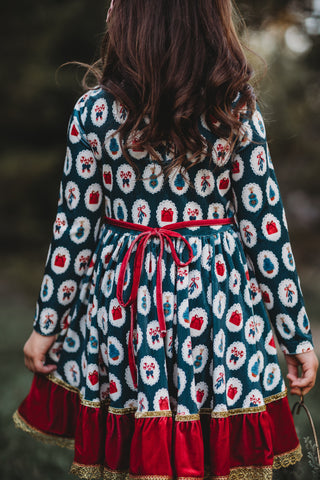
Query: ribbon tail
point(161, 317)
point(132, 362)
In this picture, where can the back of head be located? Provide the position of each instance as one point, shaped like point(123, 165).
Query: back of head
point(175, 60)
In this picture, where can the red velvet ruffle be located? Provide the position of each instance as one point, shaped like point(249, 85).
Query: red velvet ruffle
point(110, 440)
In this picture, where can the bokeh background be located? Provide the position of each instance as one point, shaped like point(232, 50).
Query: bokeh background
point(36, 101)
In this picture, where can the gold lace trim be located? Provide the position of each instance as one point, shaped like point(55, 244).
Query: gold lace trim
point(122, 411)
point(163, 413)
point(42, 436)
point(242, 473)
point(287, 459)
point(276, 397)
point(247, 473)
point(238, 411)
point(187, 418)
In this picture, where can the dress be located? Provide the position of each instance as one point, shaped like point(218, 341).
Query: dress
point(210, 398)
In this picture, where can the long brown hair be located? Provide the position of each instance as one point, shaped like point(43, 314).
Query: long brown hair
point(173, 61)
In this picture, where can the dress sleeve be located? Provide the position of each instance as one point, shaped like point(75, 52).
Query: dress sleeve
point(75, 229)
point(264, 232)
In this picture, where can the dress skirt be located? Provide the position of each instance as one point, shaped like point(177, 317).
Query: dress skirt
point(204, 398)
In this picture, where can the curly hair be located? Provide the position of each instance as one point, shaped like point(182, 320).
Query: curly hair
point(171, 61)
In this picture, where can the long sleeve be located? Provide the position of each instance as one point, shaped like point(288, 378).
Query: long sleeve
point(75, 229)
point(262, 222)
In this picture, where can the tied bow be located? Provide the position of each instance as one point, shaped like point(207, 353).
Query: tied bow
point(141, 242)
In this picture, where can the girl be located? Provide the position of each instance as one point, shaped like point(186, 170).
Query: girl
point(152, 347)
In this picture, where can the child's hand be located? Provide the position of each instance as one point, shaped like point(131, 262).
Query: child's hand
point(35, 350)
point(301, 385)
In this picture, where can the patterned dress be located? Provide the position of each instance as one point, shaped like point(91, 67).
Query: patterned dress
point(209, 398)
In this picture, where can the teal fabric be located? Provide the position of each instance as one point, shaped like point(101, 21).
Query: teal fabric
point(219, 350)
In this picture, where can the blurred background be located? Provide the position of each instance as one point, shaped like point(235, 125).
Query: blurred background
point(37, 99)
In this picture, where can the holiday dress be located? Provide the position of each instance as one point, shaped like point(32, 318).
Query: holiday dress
point(166, 360)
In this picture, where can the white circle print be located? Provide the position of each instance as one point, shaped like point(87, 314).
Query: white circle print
point(86, 165)
point(198, 321)
point(255, 366)
point(216, 210)
point(273, 194)
point(154, 338)
point(107, 177)
point(166, 213)
point(161, 400)
point(149, 370)
point(72, 373)
point(68, 162)
point(270, 344)
point(219, 304)
point(47, 288)
point(183, 313)
point(223, 182)
point(199, 393)
point(112, 144)
point(220, 268)
point(219, 380)
point(267, 296)
point(258, 161)
point(200, 358)
point(248, 233)
point(117, 314)
point(143, 300)
point(93, 197)
point(204, 183)
point(99, 112)
point(229, 243)
point(271, 377)
point(234, 318)
point(235, 281)
point(253, 329)
point(60, 225)
point(192, 211)
point(268, 264)
point(48, 320)
point(126, 178)
point(288, 292)
point(74, 131)
point(136, 151)
point(120, 209)
point(115, 389)
point(237, 168)
point(179, 181)
point(221, 152)
point(72, 195)
point(71, 342)
point(287, 257)
point(195, 284)
point(119, 112)
point(259, 124)
point(115, 351)
point(285, 326)
point(95, 144)
point(80, 230)
point(219, 344)
point(246, 132)
point(253, 399)
point(271, 227)
point(252, 197)
point(67, 292)
point(187, 351)
point(236, 355)
point(234, 391)
point(303, 321)
point(60, 260)
point(141, 212)
point(153, 178)
point(207, 256)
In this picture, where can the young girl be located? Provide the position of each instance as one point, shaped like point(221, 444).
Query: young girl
point(152, 347)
